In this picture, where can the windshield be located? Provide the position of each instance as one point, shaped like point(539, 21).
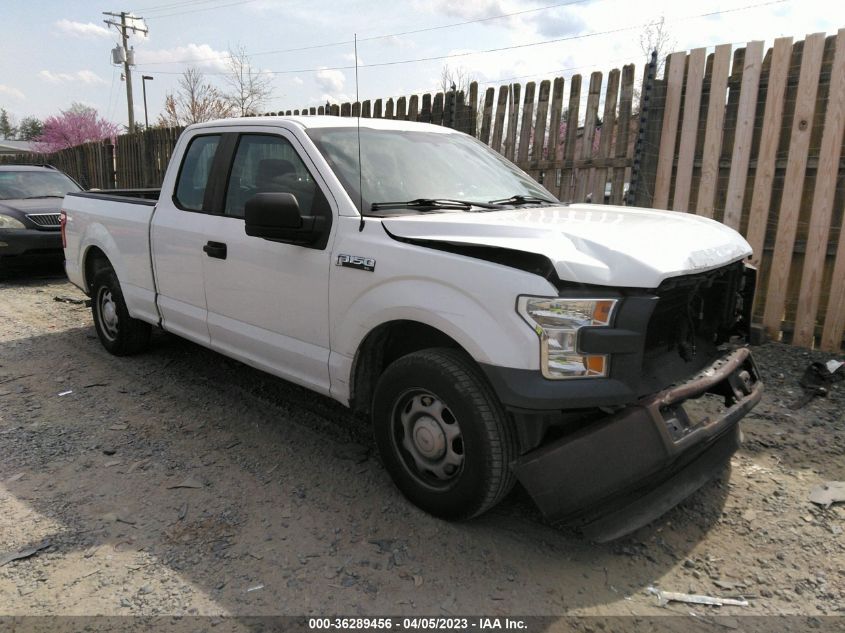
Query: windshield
point(401, 165)
point(16, 185)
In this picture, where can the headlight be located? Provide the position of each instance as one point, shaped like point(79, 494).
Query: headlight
point(8, 222)
point(557, 322)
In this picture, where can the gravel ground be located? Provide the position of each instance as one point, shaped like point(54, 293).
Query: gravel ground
point(181, 482)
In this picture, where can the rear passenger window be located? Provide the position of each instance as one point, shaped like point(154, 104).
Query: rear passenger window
point(194, 173)
point(265, 163)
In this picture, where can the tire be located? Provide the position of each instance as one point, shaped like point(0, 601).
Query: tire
point(119, 333)
point(443, 435)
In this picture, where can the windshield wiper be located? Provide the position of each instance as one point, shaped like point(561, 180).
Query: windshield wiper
point(520, 199)
point(432, 203)
point(37, 197)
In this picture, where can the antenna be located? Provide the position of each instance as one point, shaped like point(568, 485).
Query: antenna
point(360, 169)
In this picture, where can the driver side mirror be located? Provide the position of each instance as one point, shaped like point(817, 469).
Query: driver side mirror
point(276, 217)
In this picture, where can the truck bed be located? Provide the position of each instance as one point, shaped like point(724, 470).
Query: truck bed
point(119, 220)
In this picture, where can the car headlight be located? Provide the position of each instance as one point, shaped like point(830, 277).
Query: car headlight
point(8, 222)
point(557, 322)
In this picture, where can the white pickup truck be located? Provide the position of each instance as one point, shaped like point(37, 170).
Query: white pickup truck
point(408, 271)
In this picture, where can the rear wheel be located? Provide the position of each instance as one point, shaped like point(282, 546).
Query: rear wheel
point(119, 333)
point(443, 435)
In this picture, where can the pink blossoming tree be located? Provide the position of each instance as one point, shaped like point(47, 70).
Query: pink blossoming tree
point(76, 125)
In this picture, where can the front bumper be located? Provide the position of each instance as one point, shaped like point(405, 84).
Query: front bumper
point(29, 241)
point(622, 472)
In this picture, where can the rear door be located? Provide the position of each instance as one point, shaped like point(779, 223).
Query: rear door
point(178, 237)
point(268, 301)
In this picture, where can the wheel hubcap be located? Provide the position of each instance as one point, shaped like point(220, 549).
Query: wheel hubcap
point(429, 438)
point(108, 313)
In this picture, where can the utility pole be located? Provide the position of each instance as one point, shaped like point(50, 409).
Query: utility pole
point(123, 27)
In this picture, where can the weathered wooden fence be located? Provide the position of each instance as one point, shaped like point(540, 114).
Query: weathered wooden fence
point(759, 146)
point(576, 148)
point(752, 140)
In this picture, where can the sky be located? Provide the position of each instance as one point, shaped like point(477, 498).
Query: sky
point(55, 52)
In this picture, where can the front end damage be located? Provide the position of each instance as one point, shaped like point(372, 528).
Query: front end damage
point(618, 474)
point(612, 453)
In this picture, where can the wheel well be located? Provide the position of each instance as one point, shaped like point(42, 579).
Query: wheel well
point(95, 260)
point(382, 346)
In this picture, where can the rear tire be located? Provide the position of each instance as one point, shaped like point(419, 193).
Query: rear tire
point(119, 333)
point(443, 435)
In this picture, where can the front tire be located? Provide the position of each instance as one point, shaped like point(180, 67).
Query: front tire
point(443, 435)
point(119, 333)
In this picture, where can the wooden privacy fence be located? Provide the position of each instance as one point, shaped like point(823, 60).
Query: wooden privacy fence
point(757, 144)
point(575, 147)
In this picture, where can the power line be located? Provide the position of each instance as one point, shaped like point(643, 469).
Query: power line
point(387, 36)
point(174, 5)
point(221, 6)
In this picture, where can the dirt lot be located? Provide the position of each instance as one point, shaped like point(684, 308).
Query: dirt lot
point(180, 482)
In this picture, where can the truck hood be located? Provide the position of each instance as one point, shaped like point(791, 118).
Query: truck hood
point(590, 244)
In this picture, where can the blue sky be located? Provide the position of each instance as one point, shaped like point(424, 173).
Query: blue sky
point(54, 52)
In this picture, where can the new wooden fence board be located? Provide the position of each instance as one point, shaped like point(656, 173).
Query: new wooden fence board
point(790, 205)
point(689, 129)
point(669, 132)
point(623, 131)
point(744, 133)
point(823, 197)
point(608, 124)
point(764, 173)
point(834, 320)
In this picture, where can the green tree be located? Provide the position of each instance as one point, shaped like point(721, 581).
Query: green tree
point(30, 128)
point(7, 127)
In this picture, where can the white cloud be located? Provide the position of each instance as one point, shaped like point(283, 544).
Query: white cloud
point(80, 76)
point(298, 81)
point(12, 92)
point(200, 55)
point(330, 81)
point(467, 9)
point(82, 29)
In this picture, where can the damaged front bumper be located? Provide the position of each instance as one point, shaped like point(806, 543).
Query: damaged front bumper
point(620, 473)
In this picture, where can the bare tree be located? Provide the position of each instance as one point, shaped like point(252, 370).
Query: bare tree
point(248, 89)
point(458, 77)
point(656, 37)
point(194, 101)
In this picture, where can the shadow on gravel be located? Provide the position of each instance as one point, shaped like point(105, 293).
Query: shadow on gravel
point(193, 470)
point(31, 271)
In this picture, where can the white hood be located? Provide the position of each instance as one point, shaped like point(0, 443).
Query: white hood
point(591, 244)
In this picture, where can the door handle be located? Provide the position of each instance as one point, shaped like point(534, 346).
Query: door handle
point(215, 249)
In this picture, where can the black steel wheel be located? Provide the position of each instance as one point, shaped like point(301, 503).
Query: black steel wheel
point(119, 333)
point(442, 433)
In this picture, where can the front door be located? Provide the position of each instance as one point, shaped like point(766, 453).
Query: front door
point(268, 301)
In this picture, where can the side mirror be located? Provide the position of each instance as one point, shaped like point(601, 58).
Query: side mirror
point(276, 217)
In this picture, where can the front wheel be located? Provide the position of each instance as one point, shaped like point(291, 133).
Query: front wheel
point(443, 435)
point(119, 333)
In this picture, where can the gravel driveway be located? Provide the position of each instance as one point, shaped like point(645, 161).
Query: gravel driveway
point(181, 482)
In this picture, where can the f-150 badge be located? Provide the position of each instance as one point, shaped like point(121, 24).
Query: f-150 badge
point(356, 261)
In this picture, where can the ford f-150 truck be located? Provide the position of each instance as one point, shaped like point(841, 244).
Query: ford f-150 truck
point(408, 271)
